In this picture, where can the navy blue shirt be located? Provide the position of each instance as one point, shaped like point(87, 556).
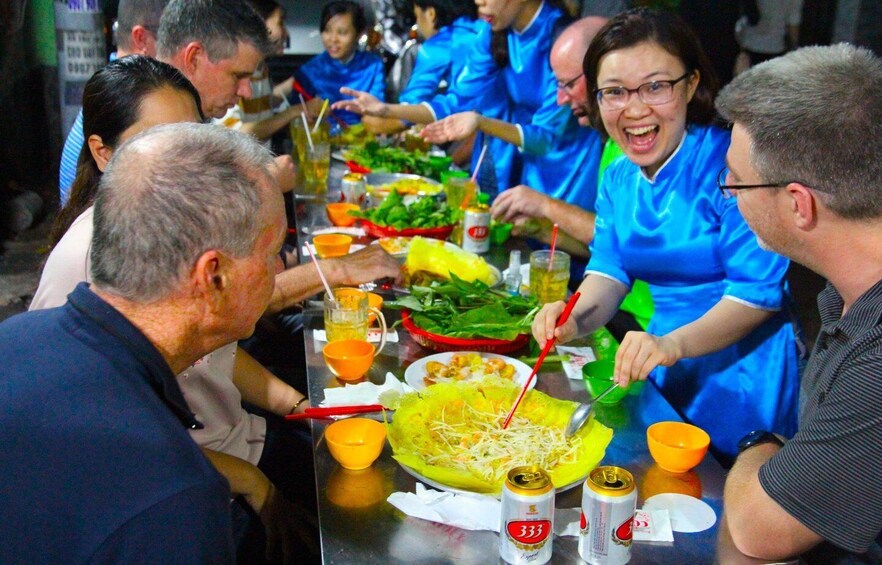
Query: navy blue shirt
point(96, 461)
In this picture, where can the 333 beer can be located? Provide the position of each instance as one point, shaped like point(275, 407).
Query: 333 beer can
point(476, 229)
point(609, 499)
point(525, 532)
point(353, 189)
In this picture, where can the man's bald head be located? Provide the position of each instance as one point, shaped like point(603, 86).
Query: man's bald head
point(566, 61)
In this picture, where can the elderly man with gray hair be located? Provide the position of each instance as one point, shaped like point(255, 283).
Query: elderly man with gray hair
point(97, 463)
point(805, 164)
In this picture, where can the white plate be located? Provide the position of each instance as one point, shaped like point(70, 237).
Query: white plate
point(338, 155)
point(417, 370)
point(442, 486)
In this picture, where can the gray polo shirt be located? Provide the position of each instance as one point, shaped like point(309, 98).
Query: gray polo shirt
point(829, 476)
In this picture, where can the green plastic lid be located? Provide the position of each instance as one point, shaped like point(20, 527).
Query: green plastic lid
point(484, 198)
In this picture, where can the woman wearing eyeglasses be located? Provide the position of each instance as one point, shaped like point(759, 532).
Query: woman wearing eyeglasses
point(720, 346)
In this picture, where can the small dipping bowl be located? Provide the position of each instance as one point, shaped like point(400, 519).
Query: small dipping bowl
point(355, 442)
point(332, 244)
point(338, 213)
point(598, 376)
point(374, 301)
point(676, 446)
point(349, 359)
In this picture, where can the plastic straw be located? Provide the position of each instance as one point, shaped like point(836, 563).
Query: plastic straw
point(303, 103)
point(321, 275)
point(321, 113)
point(553, 245)
point(308, 136)
point(478, 165)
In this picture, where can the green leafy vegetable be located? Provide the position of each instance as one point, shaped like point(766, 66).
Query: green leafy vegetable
point(395, 160)
point(424, 213)
point(457, 308)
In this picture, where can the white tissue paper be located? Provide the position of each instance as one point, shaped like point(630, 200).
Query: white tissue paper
point(466, 511)
point(367, 393)
point(579, 356)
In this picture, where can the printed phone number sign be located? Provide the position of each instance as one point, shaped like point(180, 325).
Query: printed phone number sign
point(82, 54)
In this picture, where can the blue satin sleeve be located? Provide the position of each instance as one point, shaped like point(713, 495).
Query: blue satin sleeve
point(548, 123)
point(432, 66)
point(477, 77)
point(753, 275)
point(376, 78)
point(605, 257)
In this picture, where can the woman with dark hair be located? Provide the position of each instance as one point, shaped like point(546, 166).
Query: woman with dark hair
point(117, 97)
point(719, 346)
point(342, 64)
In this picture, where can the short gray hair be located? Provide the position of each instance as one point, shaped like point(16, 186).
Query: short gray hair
point(170, 194)
point(815, 116)
point(131, 13)
point(220, 25)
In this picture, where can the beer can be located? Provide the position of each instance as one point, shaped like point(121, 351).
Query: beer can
point(526, 528)
point(353, 189)
point(476, 229)
point(609, 499)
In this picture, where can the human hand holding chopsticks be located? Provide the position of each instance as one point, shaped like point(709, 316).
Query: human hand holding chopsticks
point(545, 324)
point(561, 320)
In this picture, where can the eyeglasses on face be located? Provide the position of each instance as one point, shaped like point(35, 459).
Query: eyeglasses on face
point(568, 85)
point(728, 190)
point(651, 93)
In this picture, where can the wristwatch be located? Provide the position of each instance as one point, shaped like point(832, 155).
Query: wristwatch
point(758, 437)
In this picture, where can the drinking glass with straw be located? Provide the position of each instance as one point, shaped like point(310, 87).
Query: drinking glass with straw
point(549, 272)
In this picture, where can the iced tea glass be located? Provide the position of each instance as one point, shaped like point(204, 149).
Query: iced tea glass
point(316, 167)
point(549, 284)
point(346, 317)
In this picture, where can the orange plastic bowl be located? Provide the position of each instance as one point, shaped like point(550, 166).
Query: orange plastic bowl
point(332, 244)
point(349, 359)
point(338, 213)
point(677, 446)
point(355, 442)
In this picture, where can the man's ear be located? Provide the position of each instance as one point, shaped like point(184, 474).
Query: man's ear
point(142, 40)
point(803, 205)
point(192, 56)
point(209, 277)
point(100, 153)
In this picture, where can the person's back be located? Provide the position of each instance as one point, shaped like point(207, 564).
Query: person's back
point(96, 466)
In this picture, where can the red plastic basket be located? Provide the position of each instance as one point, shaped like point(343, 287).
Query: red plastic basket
point(373, 230)
point(443, 344)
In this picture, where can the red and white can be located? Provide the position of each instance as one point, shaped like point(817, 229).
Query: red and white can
point(526, 529)
point(609, 500)
point(353, 189)
point(476, 229)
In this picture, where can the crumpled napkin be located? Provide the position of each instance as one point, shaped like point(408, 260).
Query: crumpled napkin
point(466, 511)
point(386, 394)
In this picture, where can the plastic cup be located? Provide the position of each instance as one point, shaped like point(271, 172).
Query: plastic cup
point(549, 285)
point(316, 167)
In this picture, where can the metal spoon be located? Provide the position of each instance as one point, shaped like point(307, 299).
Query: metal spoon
point(583, 411)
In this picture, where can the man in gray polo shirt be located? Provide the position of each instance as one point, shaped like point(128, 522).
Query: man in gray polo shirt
point(806, 166)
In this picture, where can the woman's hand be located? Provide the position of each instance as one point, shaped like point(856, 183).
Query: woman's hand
point(545, 321)
point(452, 128)
point(640, 353)
point(363, 103)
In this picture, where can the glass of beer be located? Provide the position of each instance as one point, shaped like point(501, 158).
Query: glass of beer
point(549, 284)
point(347, 316)
point(316, 167)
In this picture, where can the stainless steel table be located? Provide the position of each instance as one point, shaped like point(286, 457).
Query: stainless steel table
point(359, 526)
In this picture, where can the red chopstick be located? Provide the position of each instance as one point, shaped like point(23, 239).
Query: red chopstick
point(324, 412)
point(548, 344)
